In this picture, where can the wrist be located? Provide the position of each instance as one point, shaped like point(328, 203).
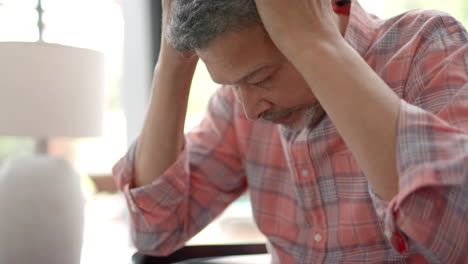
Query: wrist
point(317, 52)
point(170, 56)
point(173, 76)
point(327, 64)
point(173, 63)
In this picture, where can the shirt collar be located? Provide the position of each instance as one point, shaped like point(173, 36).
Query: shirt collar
point(361, 28)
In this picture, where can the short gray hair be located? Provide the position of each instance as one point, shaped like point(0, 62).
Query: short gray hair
point(195, 23)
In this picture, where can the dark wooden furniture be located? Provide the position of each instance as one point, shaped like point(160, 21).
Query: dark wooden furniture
point(198, 252)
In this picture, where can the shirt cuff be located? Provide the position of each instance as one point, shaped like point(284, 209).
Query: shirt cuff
point(387, 212)
point(425, 143)
point(170, 184)
point(123, 170)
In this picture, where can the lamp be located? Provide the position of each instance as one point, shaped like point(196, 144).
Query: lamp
point(49, 91)
point(46, 91)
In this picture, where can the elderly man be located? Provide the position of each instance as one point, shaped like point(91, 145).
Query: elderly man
point(348, 131)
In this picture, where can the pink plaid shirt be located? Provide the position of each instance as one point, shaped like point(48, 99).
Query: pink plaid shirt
point(309, 196)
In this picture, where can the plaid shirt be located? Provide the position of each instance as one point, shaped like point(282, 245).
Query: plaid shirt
point(309, 196)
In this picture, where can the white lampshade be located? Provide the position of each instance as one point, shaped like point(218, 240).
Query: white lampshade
point(50, 90)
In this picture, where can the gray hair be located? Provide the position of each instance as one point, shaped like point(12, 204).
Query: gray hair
point(195, 23)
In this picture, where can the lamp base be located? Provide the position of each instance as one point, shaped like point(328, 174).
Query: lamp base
point(42, 211)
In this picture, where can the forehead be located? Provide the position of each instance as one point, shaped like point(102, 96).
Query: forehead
point(234, 54)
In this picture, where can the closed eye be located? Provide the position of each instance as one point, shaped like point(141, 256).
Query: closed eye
point(264, 81)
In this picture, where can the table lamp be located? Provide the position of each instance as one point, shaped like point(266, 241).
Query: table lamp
point(46, 91)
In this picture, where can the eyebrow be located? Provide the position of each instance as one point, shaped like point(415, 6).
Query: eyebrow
point(249, 75)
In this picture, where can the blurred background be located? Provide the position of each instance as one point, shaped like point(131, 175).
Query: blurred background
point(127, 32)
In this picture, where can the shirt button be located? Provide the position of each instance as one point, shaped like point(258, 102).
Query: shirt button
point(380, 213)
point(305, 173)
point(318, 237)
point(388, 233)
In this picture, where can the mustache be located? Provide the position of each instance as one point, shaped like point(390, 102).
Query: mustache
point(272, 115)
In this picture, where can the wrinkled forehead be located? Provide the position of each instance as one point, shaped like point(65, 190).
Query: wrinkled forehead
point(236, 53)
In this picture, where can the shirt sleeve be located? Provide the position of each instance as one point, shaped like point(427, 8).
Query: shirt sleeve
point(430, 212)
point(206, 177)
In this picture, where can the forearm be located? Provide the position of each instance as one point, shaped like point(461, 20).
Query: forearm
point(363, 108)
point(360, 104)
point(162, 137)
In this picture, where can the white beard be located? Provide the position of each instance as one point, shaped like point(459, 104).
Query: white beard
point(309, 117)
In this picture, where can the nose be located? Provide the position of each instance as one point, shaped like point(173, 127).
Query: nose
point(253, 101)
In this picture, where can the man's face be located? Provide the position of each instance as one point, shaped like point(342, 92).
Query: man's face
point(264, 81)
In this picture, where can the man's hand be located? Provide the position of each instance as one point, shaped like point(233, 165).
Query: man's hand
point(297, 24)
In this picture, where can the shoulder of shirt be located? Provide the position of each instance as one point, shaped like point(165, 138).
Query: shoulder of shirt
point(428, 24)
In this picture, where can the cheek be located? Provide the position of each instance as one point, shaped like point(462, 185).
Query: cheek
point(290, 86)
point(292, 90)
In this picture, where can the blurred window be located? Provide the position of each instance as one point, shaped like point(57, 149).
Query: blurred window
point(18, 22)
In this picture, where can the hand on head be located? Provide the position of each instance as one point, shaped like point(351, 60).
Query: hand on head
point(296, 23)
